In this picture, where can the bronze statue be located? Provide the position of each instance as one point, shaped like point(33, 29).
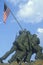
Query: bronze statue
point(24, 46)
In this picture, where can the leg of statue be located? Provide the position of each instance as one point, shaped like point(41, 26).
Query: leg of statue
point(8, 53)
point(38, 52)
point(42, 56)
point(20, 55)
point(29, 56)
point(17, 56)
point(13, 58)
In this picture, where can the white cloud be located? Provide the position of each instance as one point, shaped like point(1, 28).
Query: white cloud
point(29, 10)
point(26, 9)
point(32, 11)
point(40, 30)
point(40, 35)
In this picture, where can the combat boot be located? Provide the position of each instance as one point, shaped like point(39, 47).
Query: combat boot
point(9, 61)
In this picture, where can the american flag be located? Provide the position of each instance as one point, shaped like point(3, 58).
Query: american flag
point(6, 12)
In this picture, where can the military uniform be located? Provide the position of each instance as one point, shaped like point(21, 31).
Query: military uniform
point(33, 47)
point(37, 49)
point(19, 46)
point(25, 45)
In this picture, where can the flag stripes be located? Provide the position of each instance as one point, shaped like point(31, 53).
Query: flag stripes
point(6, 12)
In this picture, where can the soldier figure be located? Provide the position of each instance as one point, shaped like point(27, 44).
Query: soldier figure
point(18, 46)
point(25, 45)
point(34, 48)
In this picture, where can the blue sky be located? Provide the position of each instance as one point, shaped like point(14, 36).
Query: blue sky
point(29, 14)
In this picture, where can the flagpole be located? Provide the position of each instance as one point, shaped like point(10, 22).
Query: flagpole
point(15, 18)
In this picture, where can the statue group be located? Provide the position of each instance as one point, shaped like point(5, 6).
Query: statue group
point(25, 45)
